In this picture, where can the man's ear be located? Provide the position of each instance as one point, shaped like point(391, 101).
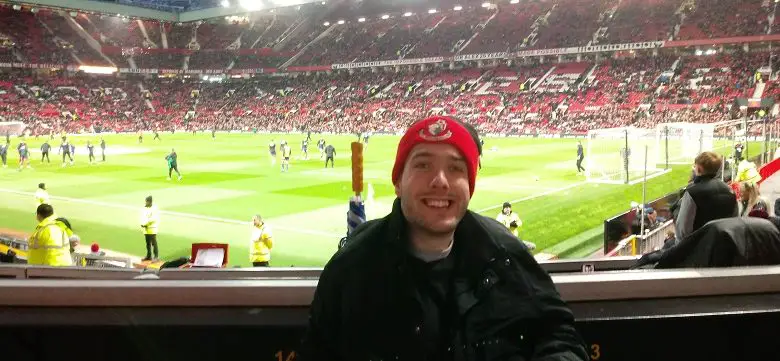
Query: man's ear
point(397, 190)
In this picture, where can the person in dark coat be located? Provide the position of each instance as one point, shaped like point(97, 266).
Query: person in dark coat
point(707, 198)
point(434, 281)
point(728, 242)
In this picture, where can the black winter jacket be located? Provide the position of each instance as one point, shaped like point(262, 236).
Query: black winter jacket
point(728, 242)
point(371, 301)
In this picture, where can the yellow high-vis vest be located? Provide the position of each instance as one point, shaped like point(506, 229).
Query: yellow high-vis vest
point(49, 245)
point(262, 243)
point(507, 220)
point(150, 219)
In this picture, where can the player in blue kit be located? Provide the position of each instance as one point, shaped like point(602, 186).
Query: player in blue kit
point(65, 150)
point(91, 149)
point(305, 149)
point(24, 155)
point(321, 148)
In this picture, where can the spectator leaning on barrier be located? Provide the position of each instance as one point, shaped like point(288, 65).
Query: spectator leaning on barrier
point(432, 280)
point(49, 245)
point(261, 243)
point(707, 198)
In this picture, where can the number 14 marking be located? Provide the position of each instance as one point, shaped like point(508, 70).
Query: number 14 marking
point(280, 356)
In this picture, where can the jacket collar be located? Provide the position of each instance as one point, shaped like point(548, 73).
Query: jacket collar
point(702, 178)
point(471, 238)
point(47, 221)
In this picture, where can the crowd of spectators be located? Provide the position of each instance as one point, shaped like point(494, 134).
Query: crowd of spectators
point(572, 23)
point(30, 38)
point(641, 20)
point(714, 80)
point(449, 34)
point(46, 36)
point(724, 18)
point(7, 55)
point(400, 38)
point(517, 100)
point(179, 34)
point(218, 35)
point(211, 59)
point(115, 31)
point(67, 38)
point(159, 61)
point(508, 29)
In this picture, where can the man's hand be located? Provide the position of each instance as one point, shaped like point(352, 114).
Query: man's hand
point(513, 224)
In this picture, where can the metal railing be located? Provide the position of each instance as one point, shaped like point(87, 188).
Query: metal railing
point(92, 260)
point(14, 243)
point(108, 271)
point(637, 245)
point(18, 249)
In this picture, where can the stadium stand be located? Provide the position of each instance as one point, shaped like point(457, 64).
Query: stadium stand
point(518, 99)
point(506, 31)
point(475, 29)
point(638, 20)
point(572, 23)
point(717, 19)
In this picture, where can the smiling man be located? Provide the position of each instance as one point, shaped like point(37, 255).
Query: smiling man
point(434, 281)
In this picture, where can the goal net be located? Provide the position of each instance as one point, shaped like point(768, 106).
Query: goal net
point(680, 143)
point(11, 128)
point(617, 155)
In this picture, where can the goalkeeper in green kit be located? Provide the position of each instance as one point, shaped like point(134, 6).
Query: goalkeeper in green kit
point(172, 164)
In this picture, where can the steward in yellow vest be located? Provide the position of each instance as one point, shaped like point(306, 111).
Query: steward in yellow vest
point(49, 245)
point(261, 243)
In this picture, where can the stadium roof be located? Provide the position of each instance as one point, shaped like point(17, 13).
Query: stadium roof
point(167, 10)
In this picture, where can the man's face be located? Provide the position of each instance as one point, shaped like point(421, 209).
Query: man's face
point(434, 188)
point(697, 170)
point(507, 210)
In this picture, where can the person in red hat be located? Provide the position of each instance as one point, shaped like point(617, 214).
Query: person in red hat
point(433, 280)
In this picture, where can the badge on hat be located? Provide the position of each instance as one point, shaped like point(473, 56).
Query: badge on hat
point(437, 131)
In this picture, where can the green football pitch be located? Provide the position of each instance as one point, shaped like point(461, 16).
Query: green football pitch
point(229, 179)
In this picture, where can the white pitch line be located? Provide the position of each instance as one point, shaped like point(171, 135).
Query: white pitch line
point(179, 214)
point(533, 196)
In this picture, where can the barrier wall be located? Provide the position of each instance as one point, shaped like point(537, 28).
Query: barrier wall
point(713, 314)
point(23, 271)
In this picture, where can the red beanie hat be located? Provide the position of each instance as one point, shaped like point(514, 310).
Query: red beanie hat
point(439, 130)
point(95, 248)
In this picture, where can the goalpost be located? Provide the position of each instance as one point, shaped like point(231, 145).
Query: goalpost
point(680, 143)
point(617, 155)
point(11, 128)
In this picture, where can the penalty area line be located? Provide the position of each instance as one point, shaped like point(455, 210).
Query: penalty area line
point(528, 198)
point(178, 214)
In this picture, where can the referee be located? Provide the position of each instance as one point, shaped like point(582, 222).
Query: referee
point(580, 157)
